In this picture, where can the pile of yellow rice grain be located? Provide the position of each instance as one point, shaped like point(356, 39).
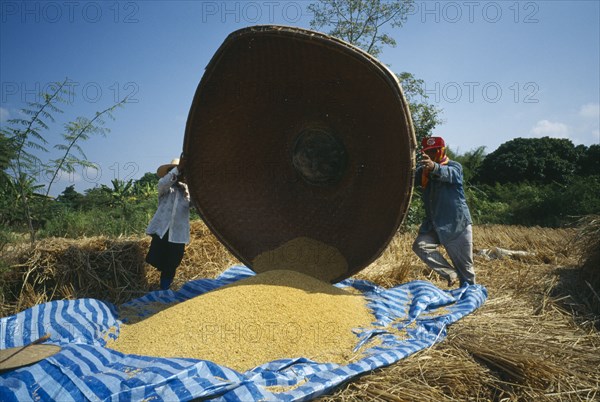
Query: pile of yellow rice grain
point(274, 315)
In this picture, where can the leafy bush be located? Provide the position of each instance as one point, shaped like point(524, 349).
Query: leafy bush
point(415, 214)
point(550, 205)
point(484, 209)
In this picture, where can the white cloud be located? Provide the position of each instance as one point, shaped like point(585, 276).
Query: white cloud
point(548, 128)
point(589, 122)
point(4, 114)
point(590, 110)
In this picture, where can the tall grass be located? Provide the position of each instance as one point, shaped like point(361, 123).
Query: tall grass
point(78, 224)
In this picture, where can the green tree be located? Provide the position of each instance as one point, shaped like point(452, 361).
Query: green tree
point(24, 141)
point(24, 137)
point(77, 131)
point(146, 186)
point(121, 194)
point(471, 161)
point(425, 116)
point(535, 160)
point(589, 162)
point(96, 197)
point(7, 153)
point(7, 188)
point(363, 24)
point(25, 191)
point(70, 197)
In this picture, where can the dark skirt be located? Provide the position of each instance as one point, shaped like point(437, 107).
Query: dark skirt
point(164, 255)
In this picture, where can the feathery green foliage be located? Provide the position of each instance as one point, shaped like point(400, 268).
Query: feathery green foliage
point(23, 144)
point(361, 22)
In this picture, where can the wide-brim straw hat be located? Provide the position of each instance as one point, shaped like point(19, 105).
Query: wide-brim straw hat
point(295, 135)
point(164, 169)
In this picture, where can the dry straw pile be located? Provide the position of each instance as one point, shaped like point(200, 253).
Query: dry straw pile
point(108, 269)
point(587, 240)
point(535, 339)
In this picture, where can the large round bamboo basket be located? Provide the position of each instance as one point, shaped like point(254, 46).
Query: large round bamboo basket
point(299, 150)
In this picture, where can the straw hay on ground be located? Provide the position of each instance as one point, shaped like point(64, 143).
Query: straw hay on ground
point(535, 338)
point(111, 269)
point(102, 268)
point(523, 344)
point(587, 240)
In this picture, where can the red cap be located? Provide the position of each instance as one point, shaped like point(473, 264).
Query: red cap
point(432, 142)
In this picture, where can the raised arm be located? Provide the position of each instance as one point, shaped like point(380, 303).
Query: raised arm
point(165, 182)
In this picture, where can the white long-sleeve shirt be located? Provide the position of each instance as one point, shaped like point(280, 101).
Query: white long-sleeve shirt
point(173, 212)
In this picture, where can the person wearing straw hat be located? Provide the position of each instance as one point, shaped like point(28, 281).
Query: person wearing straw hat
point(170, 225)
point(447, 219)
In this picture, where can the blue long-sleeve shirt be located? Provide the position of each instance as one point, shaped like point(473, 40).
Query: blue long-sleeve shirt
point(446, 210)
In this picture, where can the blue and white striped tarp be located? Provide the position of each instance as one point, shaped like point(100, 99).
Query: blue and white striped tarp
point(85, 370)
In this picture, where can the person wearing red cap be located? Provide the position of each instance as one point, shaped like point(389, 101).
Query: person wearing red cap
point(447, 218)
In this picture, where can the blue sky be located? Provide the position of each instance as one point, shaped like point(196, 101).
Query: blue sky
point(498, 69)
